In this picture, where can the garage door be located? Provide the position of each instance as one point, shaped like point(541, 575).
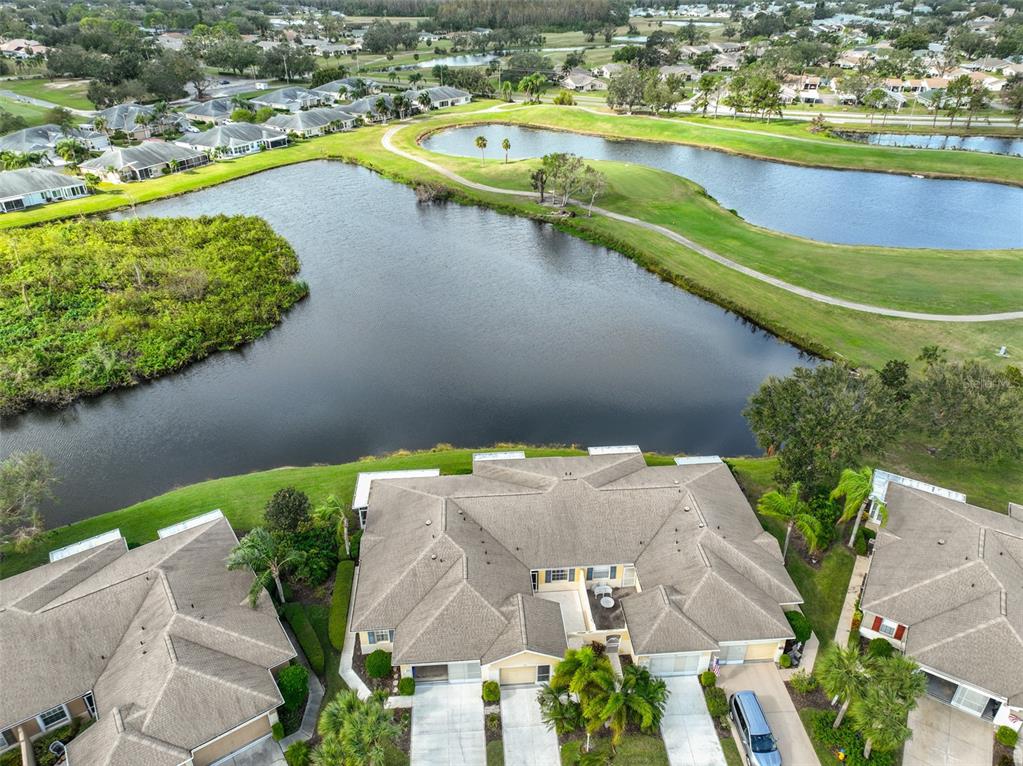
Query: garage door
point(464, 672)
point(674, 664)
point(521, 675)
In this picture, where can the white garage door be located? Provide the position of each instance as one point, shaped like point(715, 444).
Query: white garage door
point(464, 672)
point(674, 664)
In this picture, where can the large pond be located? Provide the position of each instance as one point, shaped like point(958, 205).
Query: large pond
point(827, 205)
point(987, 144)
point(468, 59)
point(425, 324)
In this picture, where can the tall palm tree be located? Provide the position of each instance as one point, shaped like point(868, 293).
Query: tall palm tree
point(506, 90)
point(381, 108)
point(842, 672)
point(576, 670)
point(506, 145)
point(415, 78)
point(425, 101)
point(336, 712)
point(855, 487)
point(651, 688)
point(267, 556)
point(481, 144)
point(332, 512)
point(880, 718)
point(791, 509)
point(392, 75)
point(902, 676)
point(100, 124)
point(558, 710)
point(615, 703)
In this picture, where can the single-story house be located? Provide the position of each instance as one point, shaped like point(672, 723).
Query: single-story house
point(44, 138)
point(289, 99)
point(441, 96)
point(313, 122)
point(492, 575)
point(235, 139)
point(215, 110)
point(20, 48)
point(366, 107)
point(943, 586)
point(27, 187)
point(158, 644)
point(685, 71)
point(140, 120)
point(606, 70)
point(580, 80)
point(150, 159)
point(339, 89)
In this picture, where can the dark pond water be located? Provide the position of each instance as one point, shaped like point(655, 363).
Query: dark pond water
point(987, 144)
point(425, 324)
point(828, 205)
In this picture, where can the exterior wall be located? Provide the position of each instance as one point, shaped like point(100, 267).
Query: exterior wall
point(492, 671)
point(868, 632)
point(229, 743)
point(76, 708)
point(1003, 719)
point(763, 652)
point(580, 576)
point(367, 647)
point(705, 657)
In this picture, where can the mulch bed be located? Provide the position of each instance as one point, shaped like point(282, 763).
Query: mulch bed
point(492, 726)
point(1001, 755)
point(403, 717)
point(359, 666)
point(816, 699)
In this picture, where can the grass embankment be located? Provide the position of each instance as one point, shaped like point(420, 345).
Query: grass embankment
point(66, 93)
point(33, 115)
point(92, 305)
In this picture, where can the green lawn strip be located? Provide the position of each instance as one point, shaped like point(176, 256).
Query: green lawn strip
point(298, 619)
point(495, 753)
point(34, 115)
point(242, 498)
point(61, 92)
point(318, 616)
point(731, 752)
point(762, 143)
point(633, 750)
point(339, 600)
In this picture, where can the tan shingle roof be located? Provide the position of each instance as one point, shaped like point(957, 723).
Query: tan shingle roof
point(953, 574)
point(446, 560)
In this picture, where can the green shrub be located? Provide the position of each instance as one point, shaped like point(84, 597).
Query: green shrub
point(785, 661)
point(338, 623)
point(800, 625)
point(493, 722)
point(297, 754)
point(491, 692)
point(803, 682)
point(826, 511)
point(708, 678)
point(320, 547)
point(863, 536)
point(287, 510)
point(879, 648)
point(1007, 736)
point(717, 701)
point(407, 686)
point(277, 730)
point(846, 739)
point(307, 638)
point(293, 681)
point(378, 664)
point(354, 541)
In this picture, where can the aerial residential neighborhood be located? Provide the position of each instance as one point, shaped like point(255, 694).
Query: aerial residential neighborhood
point(511, 383)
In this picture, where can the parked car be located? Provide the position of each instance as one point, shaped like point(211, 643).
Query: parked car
point(754, 732)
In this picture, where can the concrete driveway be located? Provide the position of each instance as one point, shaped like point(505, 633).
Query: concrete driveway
point(764, 679)
point(527, 740)
point(266, 752)
point(688, 732)
point(447, 725)
point(944, 736)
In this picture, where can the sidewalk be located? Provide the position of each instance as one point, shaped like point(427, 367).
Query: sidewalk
point(348, 675)
point(312, 705)
point(855, 584)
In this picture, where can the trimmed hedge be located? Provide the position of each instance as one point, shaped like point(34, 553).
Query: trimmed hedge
point(293, 681)
point(800, 625)
point(407, 686)
point(863, 536)
point(378, 664)
point(708, 678)
point(491, 691)
point(338, 624)
point(277, 730)
point(785, 661)
point(297, 754)
point(295, 614)
point(879, 648)
point(1007, 736)
point(717, 701)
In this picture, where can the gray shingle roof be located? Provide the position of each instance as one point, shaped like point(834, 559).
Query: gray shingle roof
point(144, 155)
point(235, 134)
point(15, 183)
point(953, 574)
point(41, 138)
point(123, 116)
point(445, 561)
point(217, 108)
point(309, 119)
point(162, 634)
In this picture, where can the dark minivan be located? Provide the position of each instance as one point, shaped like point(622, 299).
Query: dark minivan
point(754, 733)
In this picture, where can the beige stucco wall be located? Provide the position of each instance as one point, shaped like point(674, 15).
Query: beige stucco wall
point(529, 660)
point(523, 675)
point(644, 660)
point(580, 575)
point(762, 652)
point(367, 647)
point(236, 740)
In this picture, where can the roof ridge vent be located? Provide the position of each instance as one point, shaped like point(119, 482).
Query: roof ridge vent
point(980, 542)
point(1003, 602)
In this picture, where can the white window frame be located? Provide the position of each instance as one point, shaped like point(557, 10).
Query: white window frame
point(889, 625)
point(4, 744)
point(388, 636)
point(43, 726)
point(539, 676)
point(90, 704)
point(601, 572)
point(559, 575)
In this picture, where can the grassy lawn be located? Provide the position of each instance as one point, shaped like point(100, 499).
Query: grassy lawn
point(67, 93)
point(34, 115)
point(318, 617)
point(495, 753)
point(731, 752)
point(634, 750)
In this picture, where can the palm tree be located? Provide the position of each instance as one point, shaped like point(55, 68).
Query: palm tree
point(357, 730)
point(424, 101)
point(381, 108)
point(576, 670)
point(842, 672)
point(558, 710)
point(506, 145)
point(855, 487)
point(400, 105)
point(791, 509)
point(100, 124)
point(267, 556)
point(615, 703)
point(330, 752)
point(880, 718)
point(335, 513)
point(392, 75)
point(902, 676)
point(506, 90)
point(336, 712)
point(415, 78)
point(481, 144)
point(651, 688)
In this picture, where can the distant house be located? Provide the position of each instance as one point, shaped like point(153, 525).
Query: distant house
point(685, 71)
point(724, 62)
point(943, 587)
point(312, 122)
point(607, 70)
point(28, 187)
point(215, 111)
point(234, 140)
point(140, 120)
point(157, 644)
point(44, 138)
point(289, 99)
point(581, 80)
point(344, 88)
point(150, 159)
point(441, 96)
point(20, 48)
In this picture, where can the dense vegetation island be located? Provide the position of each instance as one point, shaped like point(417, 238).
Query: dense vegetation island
point(92, 305)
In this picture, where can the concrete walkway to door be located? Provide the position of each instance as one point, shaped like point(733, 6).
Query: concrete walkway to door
point(944, 736)
point(688, 732)
point(447, 725)
point(527, 740)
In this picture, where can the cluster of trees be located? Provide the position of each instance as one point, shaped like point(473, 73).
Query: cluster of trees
point(506, 14)
point(384, 37)
point(90, 305)
point(26, 483)
point(568, 177)
point(586, 693)
point(755, 91)
point(470, 78)
point(819, 420)
point(633, 87)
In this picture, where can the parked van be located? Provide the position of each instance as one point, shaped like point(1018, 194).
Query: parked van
point(754, 733)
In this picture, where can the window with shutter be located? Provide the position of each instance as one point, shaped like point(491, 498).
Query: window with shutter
point(877, 624)
point(900, 631)
point(547, 575)
point(614, 572)
point(571, 574)
point(589, 573)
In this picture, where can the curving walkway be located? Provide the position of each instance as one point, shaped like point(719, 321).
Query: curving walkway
point(388, 144)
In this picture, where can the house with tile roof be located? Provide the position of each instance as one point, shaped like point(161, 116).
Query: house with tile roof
point(945, 586)
point(492, 575)
point(157, 643)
